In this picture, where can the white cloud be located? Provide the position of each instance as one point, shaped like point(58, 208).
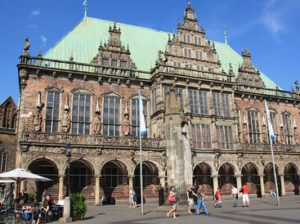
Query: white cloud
point(272, 22)
point(44, 40)
point(36, 12)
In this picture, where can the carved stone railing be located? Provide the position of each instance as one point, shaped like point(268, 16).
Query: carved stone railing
point(90, 141)
point(269, 92)
point(187, 72)
point(80, 67)
point(266, 147)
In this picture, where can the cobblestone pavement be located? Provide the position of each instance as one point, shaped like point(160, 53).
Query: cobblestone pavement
point(262, 211)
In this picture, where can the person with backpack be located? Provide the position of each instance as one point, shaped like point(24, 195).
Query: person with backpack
point(173, 202)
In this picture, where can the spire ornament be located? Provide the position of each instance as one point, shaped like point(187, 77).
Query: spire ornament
point(85, 5)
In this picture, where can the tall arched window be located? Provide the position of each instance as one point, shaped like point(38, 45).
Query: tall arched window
point(3, 159)
point(253, 124)
point(111, 116)
point(287, 130)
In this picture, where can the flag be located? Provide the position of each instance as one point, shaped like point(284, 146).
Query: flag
point(143, 130)
point(270, 128)
point(85, 3)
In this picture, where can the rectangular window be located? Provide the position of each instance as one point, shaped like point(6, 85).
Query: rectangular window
point(194, 101)
point(177, 64)
point(179, 91)
point(114, 63)
point(104, 61)
point(226, 104)
point(111, 116)
point(224, 137)
point(52, 112)
point(123, 64)
point(199, 55)
point(217, 103)
point(81, 114)
point(253, 124)
point(187, 53)
point(203, 102)
point(287, 128)
point(153, 100)
point(201, 136)
point(166, 89)
point(135, 118)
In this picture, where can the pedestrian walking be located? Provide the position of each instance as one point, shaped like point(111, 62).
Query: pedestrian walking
point(173, 202)
point(132, 199)
point(235, 195)
point(244, 191)
point(200, 202)
point(190, 197)
point(218, 202)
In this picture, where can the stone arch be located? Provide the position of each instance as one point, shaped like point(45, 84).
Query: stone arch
point(291, 178)
point(226, 178)
point(150, 180)
point(269, 178)
point(114, 180)
point(46, 168)
point(202, 175)
point(250, 178)
point(81, 178)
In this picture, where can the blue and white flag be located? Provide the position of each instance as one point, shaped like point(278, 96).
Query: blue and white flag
point(143, 130)
point(271, 131)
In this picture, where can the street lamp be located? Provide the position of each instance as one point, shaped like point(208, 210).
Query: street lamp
point(68, 154)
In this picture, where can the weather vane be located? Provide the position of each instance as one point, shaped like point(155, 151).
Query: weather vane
point(85, 5)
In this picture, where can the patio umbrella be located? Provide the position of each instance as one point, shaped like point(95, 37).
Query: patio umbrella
point(6, 181)
point(19, 174)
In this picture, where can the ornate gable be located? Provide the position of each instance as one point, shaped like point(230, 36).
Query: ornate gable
point(189, 51)
point(248, 74)
point(113, 54)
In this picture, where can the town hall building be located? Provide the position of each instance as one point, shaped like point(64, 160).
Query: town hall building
point(203, 106)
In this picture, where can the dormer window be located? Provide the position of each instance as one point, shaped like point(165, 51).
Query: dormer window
point(114, 63)
point(104, 61)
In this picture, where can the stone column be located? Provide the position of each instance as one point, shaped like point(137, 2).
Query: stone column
point(238, 181)
point(61, 187)
point(215, 182)
point(97, 190)
point(162, 181)
point(130, 185)
point(262, 185)
point(282, 185)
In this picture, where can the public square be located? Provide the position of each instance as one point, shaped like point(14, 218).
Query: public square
point(261, 210)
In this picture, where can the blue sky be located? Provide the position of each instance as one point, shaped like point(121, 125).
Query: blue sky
point(269, 29)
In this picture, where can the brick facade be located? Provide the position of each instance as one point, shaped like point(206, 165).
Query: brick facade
point(202, 140)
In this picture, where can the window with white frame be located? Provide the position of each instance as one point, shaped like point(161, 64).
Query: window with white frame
point(52, 111)
point(81, 118)
point(203, 95)
point(217, 103)
point(111, 116)
point(226, 104)
point(224, 136)
point(253, 125)
point(201, 136)
point(135, 117)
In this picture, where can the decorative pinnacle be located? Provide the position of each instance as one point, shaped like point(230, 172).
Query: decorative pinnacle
point(115, 24)
point(189, 3)
point(85, 5)
point(225, 36)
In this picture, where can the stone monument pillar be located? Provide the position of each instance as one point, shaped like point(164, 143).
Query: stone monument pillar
point(179, 156)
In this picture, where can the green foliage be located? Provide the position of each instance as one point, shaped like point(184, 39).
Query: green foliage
point(31, 196)
point(78, 205)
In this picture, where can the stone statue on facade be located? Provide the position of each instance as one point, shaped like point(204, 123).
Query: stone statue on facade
point(97, 123)
point(26, 46)
point(37, 120)
point(126, 124)
point(65, 122)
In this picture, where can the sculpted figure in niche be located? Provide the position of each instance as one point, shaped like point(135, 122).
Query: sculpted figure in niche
point(97, 123)
point(65, 122)
point(126, 124)
point(37, 120)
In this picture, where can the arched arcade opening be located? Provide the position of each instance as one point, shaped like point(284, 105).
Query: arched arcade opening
point(251, 179)
point(202, 176)
point(226, 178)
point(291, 179)
point(269, 179)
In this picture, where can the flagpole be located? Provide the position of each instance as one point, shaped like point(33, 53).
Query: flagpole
point(271, 132)
point(274, 171)
point(141, 159)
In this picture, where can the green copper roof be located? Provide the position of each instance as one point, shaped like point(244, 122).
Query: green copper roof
point(144, 43)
